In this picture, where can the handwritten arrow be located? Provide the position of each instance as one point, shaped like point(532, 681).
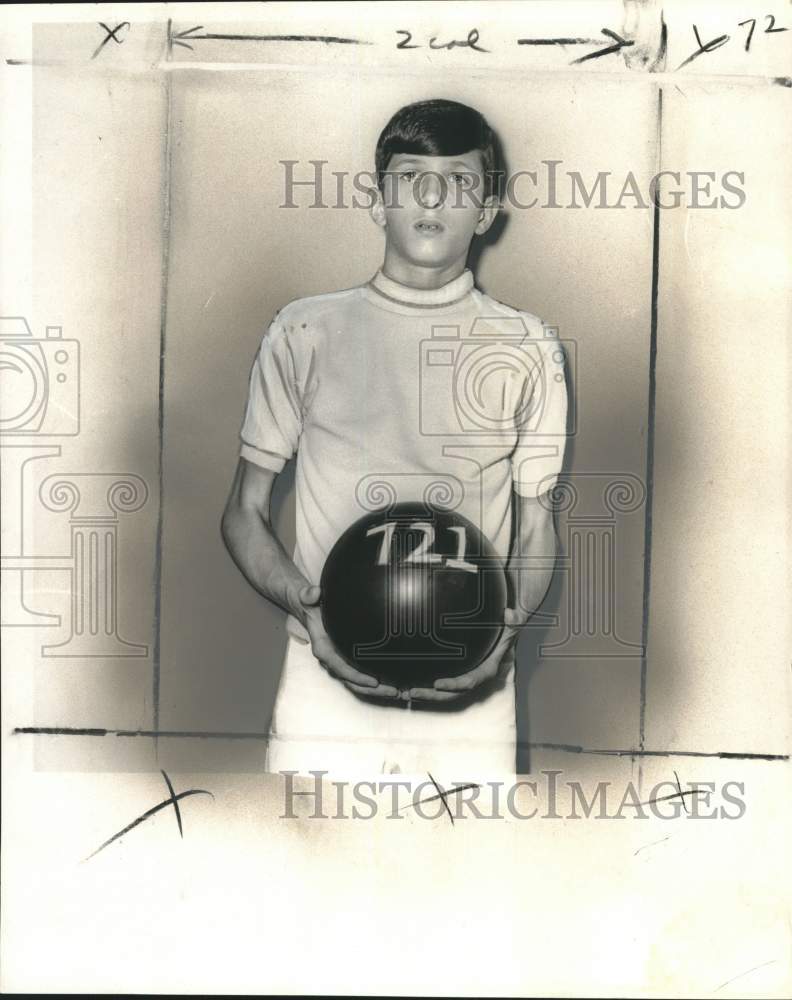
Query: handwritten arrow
point(183, 38)
point(558, 41)
point(619, 43)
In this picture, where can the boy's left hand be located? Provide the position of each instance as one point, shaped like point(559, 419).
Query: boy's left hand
point(497, 663)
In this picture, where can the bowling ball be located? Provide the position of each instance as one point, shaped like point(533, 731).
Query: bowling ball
point(411, 593)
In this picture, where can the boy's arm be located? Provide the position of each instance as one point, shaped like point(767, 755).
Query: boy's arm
point(532, 557)
point(529, 571)
point(248, 535)
point(247, 532)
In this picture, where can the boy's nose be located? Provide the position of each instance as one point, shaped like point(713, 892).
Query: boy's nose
point(431, 190)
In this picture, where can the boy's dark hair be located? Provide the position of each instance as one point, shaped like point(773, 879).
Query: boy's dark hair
point(438, 128)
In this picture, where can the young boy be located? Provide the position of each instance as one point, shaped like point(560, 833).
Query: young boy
point(413, 381)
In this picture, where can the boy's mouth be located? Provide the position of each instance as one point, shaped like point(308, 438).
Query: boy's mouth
point(426, 227)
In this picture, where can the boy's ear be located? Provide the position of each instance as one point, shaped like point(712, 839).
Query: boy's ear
point(487, 215)
point(377, 210)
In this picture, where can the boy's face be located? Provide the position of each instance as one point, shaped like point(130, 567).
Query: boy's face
point(430, 209)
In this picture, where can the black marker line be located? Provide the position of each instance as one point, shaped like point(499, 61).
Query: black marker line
point(636, 752)
point(752, 756)
point(674, 795)
point(678, 794)
point(564, 747)
point(172, 790)
point(653, 844)
point(58, 731)
point(184, 38)
point(147, 815)
point(442, 796)
point(650, 432)
point(153, 733)
point(327, 39)
point(167, 158)
point(681, 793)
point(559, 41)
point(753, 968)
point(662, 49)
point(190, 734)
point(620, 43)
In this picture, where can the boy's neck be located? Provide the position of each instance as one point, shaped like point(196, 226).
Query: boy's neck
point(424, 278)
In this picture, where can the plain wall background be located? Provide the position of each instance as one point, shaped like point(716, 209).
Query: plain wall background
point(97, 247)
point(719, 637)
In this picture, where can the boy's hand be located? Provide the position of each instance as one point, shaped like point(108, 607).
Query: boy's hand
point(326, 653)
point(495, 665)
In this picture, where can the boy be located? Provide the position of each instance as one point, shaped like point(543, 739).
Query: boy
point(348, 381)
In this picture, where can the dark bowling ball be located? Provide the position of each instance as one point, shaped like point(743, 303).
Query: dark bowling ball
point(412, 593)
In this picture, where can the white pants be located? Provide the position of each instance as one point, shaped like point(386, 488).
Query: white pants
point(320, 725)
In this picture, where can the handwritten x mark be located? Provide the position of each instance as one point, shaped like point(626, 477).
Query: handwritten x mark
point(111, 33)
point(442, 794)
point(173, 800)
point(678, 794)
point(704, 47)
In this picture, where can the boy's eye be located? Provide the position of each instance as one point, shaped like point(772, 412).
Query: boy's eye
point(409, 175)
point(462, 179)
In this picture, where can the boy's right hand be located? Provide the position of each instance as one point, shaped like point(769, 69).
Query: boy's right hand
point(326, 653)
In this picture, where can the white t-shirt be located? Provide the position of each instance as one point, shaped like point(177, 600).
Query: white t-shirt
point(388, 393)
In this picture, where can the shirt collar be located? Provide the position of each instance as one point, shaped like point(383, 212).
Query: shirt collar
point(447, 294)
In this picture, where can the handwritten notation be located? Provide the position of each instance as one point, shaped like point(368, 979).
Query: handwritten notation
point(184, 38)
point(471, 42)
point(770, 29)
point(619, 44)
point(172, 800)
point(110, 33)
point(610, 43)
point(716, 43)
point(651, 51)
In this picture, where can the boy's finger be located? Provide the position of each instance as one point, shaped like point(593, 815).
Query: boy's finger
point(344, 672)
point(310, 595)
point(432, 694)
point(468, 681)
point(381, 691)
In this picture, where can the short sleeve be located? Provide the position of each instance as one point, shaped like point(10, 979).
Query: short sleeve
point(273, 417)
point(541, 420)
